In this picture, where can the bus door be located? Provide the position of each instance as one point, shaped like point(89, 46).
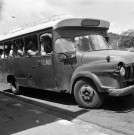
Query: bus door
point(65, 60)
point(43, 71)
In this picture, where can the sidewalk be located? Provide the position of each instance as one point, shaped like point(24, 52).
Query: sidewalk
point(20, 118)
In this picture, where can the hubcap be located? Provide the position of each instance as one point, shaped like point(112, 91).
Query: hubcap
point(87, 93)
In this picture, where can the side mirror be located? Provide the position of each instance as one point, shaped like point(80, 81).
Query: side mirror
point(67, 57)
point(64, 56)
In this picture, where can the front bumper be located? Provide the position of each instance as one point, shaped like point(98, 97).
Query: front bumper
point(122, 91)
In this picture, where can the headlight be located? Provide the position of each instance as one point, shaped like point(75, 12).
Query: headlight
point(122, 71)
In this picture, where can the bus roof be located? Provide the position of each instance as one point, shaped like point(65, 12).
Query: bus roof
point(71, 22)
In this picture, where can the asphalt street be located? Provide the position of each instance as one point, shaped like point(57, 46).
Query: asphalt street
point(38, 113)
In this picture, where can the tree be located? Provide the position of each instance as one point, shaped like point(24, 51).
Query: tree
point(126, 39)
point(129, 32)
point(113, 40)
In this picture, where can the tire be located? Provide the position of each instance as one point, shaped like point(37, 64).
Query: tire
point(14, 87)
point(86, 95)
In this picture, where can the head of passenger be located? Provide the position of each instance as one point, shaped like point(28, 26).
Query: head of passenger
point(32, 46)
point(46, 42)
point(20, 45)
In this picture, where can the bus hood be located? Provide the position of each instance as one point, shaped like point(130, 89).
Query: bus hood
point(115, 55)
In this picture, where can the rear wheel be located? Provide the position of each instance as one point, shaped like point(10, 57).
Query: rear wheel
point(14, 87)
point(86, 94)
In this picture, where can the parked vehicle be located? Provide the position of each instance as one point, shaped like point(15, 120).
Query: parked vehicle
point(76, 60)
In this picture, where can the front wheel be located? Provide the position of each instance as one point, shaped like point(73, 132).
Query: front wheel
point(14, 87)
point(86, 95)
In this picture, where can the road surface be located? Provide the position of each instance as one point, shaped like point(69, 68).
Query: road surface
point(54, 113)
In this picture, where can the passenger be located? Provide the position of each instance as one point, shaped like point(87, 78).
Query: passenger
point(85, 44)
point(32, 50)
point(20, 51)
point(46, 44)
point(6, 51)
point(2, 56)
point(5, 54)
point(11, 51)
point(1, 53)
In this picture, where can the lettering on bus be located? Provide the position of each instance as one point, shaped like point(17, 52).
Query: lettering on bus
point(45, 62)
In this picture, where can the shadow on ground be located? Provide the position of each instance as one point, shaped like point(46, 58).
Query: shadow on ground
point(58, 102)
point(55, 97)
point(22, 119)
point(117, 104)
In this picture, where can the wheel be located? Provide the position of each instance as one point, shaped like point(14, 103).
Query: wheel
point(86, 95)
point(14, 87)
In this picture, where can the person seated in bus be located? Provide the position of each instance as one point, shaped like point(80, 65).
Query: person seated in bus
point(46, 44)
point(5, 54)
point(11, 51)
point(6, 51)
point(85, 44)
point(20, 50)
point(32, 50)
point(1, 54)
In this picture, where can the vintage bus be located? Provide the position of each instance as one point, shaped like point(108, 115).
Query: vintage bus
point(67, 55)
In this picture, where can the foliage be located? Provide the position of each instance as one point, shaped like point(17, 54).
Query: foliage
point(113, 40)
point(123, 41)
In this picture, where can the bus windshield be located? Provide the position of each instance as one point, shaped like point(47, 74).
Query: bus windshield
point(64, 45)
point(91, 42)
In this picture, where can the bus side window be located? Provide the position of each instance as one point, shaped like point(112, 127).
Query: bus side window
point(7, 49)
point(20, 51)
point(31, 45)
point(18, 48)
point(46, 43)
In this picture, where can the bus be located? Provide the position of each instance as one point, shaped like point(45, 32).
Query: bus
point(67, 55)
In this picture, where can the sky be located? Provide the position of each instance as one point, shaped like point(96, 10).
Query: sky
point(15, 13)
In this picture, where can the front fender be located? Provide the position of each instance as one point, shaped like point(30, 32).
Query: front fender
point(85, 74)
point(101, 73)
